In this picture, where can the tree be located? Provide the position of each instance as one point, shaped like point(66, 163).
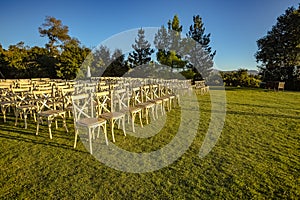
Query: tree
point(279, 51)
point(142, 51)
point(168, 43)
point(101, 60)
point(12, 61)
point(39, 63)
point(56, 32)
point(240, 78)
point(117, 67)
point(197, 48)
point(175, 30)
point(197, 33)
point(71, 59)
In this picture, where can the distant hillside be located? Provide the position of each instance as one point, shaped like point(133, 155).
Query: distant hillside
point(250, 71)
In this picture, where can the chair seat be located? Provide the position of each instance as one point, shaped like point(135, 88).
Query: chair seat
point(146, 105)
point(164, 98)
point(6, 103)
point(27, 107)
point(131, 109)
point(48, 113)
point(90, 121)
point(69, 107)
point(112, 115)
point(156, 101)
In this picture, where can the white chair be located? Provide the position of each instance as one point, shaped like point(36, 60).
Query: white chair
point(123, 101)
point(47, 109)
point(85, 116)
point(140, 96)
point(106, 110)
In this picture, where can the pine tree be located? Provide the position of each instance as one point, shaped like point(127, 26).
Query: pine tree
point(142, 51)
point(198, 49)
point(168, 43)
point(197, 31)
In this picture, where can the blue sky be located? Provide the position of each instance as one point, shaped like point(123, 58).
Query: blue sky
point(235, 26)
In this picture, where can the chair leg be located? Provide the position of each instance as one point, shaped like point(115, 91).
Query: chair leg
point(25, 119)
point(123, 123)
point(146, 113)
point(64, 122)
point(161, 108)
point(49, 121)
point(34, 116)
point(90, 141)
point(76, 134)
point(153, 108)
point(112, 130)
point(3, 109)
point(37, 126)
point(56, 126)
point(16, 114)
point(105, 133)
point(132, 121)
point(140, 115)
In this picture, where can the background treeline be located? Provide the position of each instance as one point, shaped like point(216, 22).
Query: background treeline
point(278, 54)
point(241, 78)
point(65, 57)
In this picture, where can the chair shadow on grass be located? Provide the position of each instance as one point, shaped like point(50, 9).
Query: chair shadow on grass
point(255, 114)
point(262, 106)
point(42, 139)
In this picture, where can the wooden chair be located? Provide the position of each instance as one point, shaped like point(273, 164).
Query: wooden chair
point(140, 95)
point(106, 110)
point(169, 92)
point(280, 86)
point(47, 109)
point(7, 101)
point(123, 102)
point(155, 98)
point(84, 116)
point(66, 98)
point(164, 96)
point(24, 104)
point(200, 87)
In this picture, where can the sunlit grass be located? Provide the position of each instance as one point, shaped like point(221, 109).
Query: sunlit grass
point(256, 156)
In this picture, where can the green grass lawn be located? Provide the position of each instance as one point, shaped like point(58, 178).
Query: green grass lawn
point(257, 156)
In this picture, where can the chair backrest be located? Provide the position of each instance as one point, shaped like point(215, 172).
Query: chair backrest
point(199, 84)
point(66, 96)
point(83, 106)
point(136, 95)
point(121, 99)
point(162, 90)
point(44, 100)
point(155, 91)
point(281, 85)
point(146, 93)
point(21, 95)
point(104, 102)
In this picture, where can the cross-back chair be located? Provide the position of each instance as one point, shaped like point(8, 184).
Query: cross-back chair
point(124, 106)
point(24, 104)
point(155, 98)
point(141, 97)
point(106, 110)
point(47, 109)
point(85, 116)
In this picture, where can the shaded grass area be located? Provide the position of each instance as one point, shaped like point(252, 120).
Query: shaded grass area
point(256, 156)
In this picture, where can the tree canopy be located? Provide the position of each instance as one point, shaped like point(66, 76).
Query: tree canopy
point(56, 32)
point(279, 51)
